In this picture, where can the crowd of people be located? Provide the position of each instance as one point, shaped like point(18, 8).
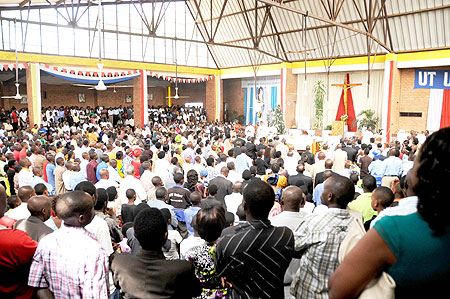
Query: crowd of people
point(93, 206)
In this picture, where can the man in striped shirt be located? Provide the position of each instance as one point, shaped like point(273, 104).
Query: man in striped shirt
point(254, 257)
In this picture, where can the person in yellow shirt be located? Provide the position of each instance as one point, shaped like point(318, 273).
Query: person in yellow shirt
point(35, 129)
point(282, 181)
point(119, 159)
point(92, 136)
point(178, 156)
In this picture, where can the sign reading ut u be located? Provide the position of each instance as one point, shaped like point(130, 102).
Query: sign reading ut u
point(435, 79)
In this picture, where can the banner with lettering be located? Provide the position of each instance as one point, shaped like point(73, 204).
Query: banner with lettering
point(432, 79)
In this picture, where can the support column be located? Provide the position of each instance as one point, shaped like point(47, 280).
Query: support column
point(34, 94)
point(391, 96)
point(289, 84)
point(140, 99)
point(214, 99)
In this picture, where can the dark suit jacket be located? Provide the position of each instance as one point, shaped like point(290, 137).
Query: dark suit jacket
point(301, 179)
point(150, 275)
point(225, 188)
point(319, 178)
point(34, 227)
point(351, 153)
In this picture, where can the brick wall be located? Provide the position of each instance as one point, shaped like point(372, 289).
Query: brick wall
point(62, 95)
point(233, 96)
point(407, 99)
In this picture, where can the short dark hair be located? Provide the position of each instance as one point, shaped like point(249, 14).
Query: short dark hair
point(209, 222)
point(150, 228)
point(87, 187)
point(112, 193)
point(102, 198)
point(178, 177)
point(369, 183)
point(259, 198)
point(212, 189)
point(130, 193)
point(386, 196)
point(73, 203)
point(40, 188)
point(160, 193)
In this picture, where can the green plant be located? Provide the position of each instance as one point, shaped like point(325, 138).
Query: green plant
point(276, 120)
point(319, 92)
point(329, 127)
point(367, 119)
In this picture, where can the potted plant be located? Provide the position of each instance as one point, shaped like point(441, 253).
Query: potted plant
point(367, 119)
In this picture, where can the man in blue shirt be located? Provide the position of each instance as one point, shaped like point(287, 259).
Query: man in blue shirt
point(160, 203)
point(101, 165)
point(319, 188)
point(50, 170)
point(393, 168)
point(377, 168)
point(189, 213)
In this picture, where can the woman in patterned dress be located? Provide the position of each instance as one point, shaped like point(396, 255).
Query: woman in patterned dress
point(208, 224)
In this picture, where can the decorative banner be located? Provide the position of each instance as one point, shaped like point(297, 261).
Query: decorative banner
point(5, 66)
point(432, 79)
point(89, 76)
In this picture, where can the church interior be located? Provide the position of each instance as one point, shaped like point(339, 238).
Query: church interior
point(319, 61)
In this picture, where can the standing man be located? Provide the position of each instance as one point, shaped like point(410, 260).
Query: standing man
point(254, 257)
point(59, 171)
point(40, 208)
point(224, 185)
point(91, 168)
point(317, 240)
point(393, 168)
point(71, 254)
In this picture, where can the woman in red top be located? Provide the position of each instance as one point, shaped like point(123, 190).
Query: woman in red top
point(15, 119)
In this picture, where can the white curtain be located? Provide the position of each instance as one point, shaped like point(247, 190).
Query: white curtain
point(359, 94)
point(435, 109)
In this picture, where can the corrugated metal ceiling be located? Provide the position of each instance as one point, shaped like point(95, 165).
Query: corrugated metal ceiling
point(411, 25)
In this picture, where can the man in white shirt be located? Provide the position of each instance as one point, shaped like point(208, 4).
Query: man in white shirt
point(22, 212)
point(130, 182)
point(234, 199)
point(25, 177)
point(113, 173)
point(105, 182)
point(339, 159)
point(291, 201)
point(84, 162)
point(283, 148)
point(233, 176)
point(162, 166)
point(146, 177)
point(66, 176)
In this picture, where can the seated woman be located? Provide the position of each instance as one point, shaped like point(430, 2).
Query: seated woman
point(414, 248)
point(208, 222)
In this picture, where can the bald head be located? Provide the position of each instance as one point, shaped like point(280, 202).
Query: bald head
point(156, 181)
point(25, 193)
point(104, 174)
point(75, 208)
point(40, 206)
point(292, 199)
point(328, 164)
point(237, 187)
point(321, 156)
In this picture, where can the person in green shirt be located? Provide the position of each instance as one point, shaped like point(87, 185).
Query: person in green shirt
point(414, 248)
point(363, 203)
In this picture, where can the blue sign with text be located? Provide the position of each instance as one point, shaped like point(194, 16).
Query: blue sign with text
point(432, 79)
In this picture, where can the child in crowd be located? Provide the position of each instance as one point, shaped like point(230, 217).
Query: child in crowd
point(382, 198)
point(127, 210)
point(173, 236)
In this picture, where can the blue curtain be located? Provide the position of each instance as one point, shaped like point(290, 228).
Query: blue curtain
point(251, 106)
point(245, 105)
point(273, 97)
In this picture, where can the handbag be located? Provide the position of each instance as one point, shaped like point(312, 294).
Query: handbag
point(381, 287)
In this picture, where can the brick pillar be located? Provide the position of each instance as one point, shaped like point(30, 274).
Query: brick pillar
point(137, 104)
point(214, 99)
point(34, 94)
point(291, 99)
point(140, 99)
